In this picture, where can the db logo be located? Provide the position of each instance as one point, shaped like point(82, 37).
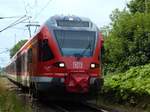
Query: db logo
point(77, 65)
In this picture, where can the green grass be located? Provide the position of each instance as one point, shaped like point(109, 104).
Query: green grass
point(9, 102)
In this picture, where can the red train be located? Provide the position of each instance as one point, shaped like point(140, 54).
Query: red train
point(65, 54)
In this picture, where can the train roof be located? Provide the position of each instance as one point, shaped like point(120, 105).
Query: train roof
point(70, 22)
point(75, 18)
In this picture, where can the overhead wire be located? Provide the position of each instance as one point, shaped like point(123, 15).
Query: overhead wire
point(10, 17)
point(25, 7)
point(16, 22)
point(42, 9)
point(13, 23)
point(19, 28)
point(4, 51)
point(29, 21)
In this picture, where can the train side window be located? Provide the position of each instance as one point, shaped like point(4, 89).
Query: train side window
point(30, 55)
point(45, 52)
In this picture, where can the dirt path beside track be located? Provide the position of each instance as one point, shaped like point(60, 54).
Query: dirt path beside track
point(9, 101)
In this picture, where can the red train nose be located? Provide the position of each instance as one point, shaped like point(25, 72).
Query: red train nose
point(77, 83)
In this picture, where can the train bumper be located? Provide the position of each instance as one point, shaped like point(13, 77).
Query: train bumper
point(76, 84)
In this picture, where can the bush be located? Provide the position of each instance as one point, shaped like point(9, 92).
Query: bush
point(129, 85)
point(128, 42)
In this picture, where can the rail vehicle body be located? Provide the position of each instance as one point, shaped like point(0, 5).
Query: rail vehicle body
point(65, 54)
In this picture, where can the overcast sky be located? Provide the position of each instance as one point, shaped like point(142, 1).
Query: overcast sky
point(40, 10)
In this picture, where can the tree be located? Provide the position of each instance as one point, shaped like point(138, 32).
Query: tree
point(139, 6)
point(128, 41)
point(105, 31)
point(17, 47)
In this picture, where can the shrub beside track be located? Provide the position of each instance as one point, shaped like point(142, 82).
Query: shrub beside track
point(132, 86)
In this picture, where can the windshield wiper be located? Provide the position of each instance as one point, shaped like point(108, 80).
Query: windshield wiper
point(83, 52)
point(79, 55)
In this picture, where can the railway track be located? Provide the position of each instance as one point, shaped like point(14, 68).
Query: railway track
point(82, 107)
point(78, 107)
point(39, 105)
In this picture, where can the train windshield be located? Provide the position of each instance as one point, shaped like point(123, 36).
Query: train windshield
point(76, 43)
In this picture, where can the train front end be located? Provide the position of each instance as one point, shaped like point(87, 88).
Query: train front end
point(76, 49)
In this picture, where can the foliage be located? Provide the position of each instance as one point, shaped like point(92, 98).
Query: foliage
point(105, 31)
point(128, 41)
point(127, 48)
point(129, 85)
point(17, 47)
point(139, 6)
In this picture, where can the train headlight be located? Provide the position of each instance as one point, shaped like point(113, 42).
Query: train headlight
point(61, 65)
point(93, 65)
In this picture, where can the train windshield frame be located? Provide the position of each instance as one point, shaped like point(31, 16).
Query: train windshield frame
point(76, 42)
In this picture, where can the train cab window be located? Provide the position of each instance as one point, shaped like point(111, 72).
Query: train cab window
point(76, 43)
point(45, 52)
point(30, 56)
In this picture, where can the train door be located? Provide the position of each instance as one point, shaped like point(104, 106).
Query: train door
point(22, 69)
point(32, 63)
point(35, 57)
point(18, 68)
point(25, 69)
point(29, 64)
